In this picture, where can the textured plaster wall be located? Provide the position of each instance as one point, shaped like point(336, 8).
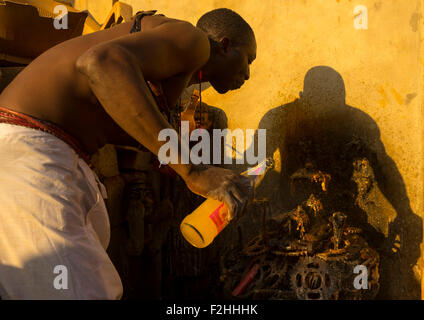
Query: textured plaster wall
point(381, 69)
point(99, 9)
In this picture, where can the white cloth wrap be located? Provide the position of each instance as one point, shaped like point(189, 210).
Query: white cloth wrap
point(52, 213)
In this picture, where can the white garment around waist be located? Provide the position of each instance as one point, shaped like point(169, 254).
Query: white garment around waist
point(54, 226)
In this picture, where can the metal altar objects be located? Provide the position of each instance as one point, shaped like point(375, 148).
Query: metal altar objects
point(308, 253)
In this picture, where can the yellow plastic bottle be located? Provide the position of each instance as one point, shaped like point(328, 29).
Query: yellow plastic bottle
point(202, 226)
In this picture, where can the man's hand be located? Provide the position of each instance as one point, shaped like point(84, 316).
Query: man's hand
point(222, 185)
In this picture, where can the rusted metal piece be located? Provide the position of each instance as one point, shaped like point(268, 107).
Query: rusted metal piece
point(338, 220)
point(298, 220)
point(363, 176)
point(313, 279)
point(332, 254)
point(256, 246)
point(315, 204)
point(312, 175)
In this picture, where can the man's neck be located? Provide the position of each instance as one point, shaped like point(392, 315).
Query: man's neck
point(204, 70)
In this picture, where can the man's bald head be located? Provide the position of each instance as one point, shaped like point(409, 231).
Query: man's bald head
point(220, 23)
point(233, 49)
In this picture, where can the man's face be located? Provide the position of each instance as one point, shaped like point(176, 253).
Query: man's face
point(233, 67)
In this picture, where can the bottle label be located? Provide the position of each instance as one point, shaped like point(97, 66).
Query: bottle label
point(219, 217)
point(256, 171)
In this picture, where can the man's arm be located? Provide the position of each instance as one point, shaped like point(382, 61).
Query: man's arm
point(117, 72)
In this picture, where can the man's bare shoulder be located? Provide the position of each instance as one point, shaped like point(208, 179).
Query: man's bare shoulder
point(162, 49)
point(185, 35)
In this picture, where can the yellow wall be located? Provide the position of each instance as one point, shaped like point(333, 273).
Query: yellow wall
point(381, 67)
point(99, 9)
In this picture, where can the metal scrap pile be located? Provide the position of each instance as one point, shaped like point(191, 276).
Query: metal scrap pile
point(308, 253)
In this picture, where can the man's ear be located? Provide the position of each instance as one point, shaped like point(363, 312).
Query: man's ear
point(225, 44)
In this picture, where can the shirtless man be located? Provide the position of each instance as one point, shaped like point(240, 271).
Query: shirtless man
point(95, 88)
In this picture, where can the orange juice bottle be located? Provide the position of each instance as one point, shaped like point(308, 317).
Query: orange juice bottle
point(202, 226)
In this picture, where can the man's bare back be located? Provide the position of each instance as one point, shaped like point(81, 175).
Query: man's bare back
point(51, 88)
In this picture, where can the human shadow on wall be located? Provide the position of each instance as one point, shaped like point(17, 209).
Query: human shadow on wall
point(319, 127)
